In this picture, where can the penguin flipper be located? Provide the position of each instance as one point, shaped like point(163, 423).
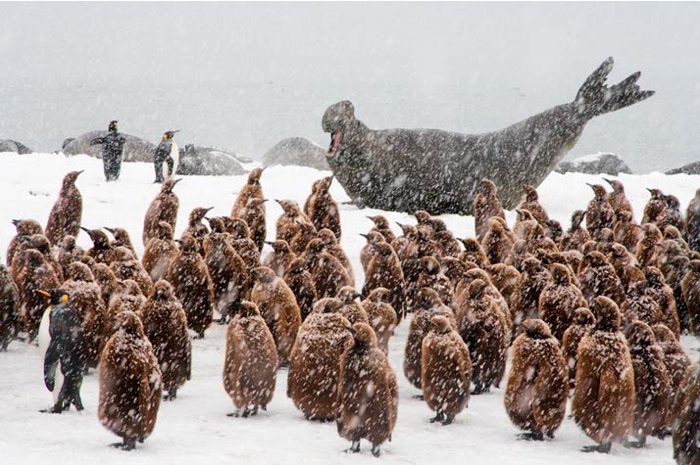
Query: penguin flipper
point(50, 364)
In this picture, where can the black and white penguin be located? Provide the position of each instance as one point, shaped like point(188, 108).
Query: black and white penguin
point(62, 341)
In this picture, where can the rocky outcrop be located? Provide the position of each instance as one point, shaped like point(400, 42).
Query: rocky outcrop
point(135, 148)
point(298, 151)
point(599, 163)
point(8, 145)
point(690, 168)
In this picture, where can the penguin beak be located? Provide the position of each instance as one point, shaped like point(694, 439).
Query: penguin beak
point(356, 295)
point(111, 230)
point(87, 231)
point(278, 201)
point(366, 236)
point(178, 241)
point(176, 181)
point(651, 191)
point(209, 209)
point(16, 222)
point(43, 292)
point(269, 243)
point(589, 185)
point(608, 181)
point(400, 225)
point(265, 200)
point(351, 330)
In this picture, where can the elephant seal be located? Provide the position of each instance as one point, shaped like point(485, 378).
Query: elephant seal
point(135, 148)
point(439, 171)
point(208, 161)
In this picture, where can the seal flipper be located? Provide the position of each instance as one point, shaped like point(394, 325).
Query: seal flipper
point(595, 98)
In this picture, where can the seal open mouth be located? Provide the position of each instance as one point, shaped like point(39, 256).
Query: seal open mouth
point(336, 140)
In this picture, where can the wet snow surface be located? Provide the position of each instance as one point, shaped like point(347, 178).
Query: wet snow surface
point(195, 428)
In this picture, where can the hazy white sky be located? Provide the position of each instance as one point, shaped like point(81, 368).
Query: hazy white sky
point(244, 75)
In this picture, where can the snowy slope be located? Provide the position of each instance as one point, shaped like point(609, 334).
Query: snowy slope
point(195, 428)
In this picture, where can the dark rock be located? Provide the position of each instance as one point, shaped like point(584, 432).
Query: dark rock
point(8, 145)
point(135, 148)
point(298, 151)
point(207, 161)
point(690, 168)
point(600, 163)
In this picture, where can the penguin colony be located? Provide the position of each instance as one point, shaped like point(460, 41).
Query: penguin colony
point(592, 314)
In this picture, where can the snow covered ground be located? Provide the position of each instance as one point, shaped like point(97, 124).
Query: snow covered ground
point(195, 428)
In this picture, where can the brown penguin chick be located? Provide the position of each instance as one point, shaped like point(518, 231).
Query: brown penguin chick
point(617, 198)
point(160, 250)
point(446, 370)
point(576, 235)
point(692, 222)
point(558, 301)
point(248, 251)
point(163, 208)
point(67, 212)
point(496, 243)
point(250, 366)
point(121, 239)
point(627, 232)
point(130, 383)
point(381, 315)
point(278, 307)
point(675, 359)
point(531, 203)
point(280, 258)
point(536, 394)
point(405, 245)
point(427, 305)
point(236, 227)
point(24, 228)
point(165, 325)
point(195, 227)
point(640, 306)
point(35, 274)
point(381, 225)
point(690, 286)
point(651, 383)
point(473, 252)
point(254, 216)
point(663, 295)
point(368, 393)
point(384, 270)
point(301, 284)
point(686, 430)
point(448, 245)
point(524, 222)
point(486, 206)
point(251, 190)
point(108, 282)
point(368, 250)
point(328, 273)
point(655, 209)
point(461, 292)
point(314, 369)
point(323, 210)
point(675, 272)
point(554, 230)
point(533, 280)
point(599, 279)
point(10, 322)
point(40, 243)
point(672, 235)
point(68, 252)
point(305, 234)
point(582, 325)
point(425, 244)
point(431, 276)
point(599, 213)
point(127, 298)
point(606, 239)
point(188, 274)
point(351, 309)
point(507, 280)
point(332, 246)
point(228, 274)
point(217, 225)
point(125, 266)
point(425, 223)
point(649, 246)
point(483, 327)
point(454, 269)
point(625, 266)
point(604, 398)
point(288, 223)
point(86, 300)
point(673, 216)
point(101, 250)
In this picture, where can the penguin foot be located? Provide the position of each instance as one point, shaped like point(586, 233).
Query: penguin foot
point(375, 450)
point(635, 444)
point(125, 445)
point(199, 336)
point(171, 395)
point(419, 397)
point(447, 420)
point(437, 418)
point(602, 448)
point(53, 409)
point(532, 436)
point(664, 434)
point(479, 389)
point(354, 447)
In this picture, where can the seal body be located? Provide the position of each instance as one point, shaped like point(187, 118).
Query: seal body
point(401, 169)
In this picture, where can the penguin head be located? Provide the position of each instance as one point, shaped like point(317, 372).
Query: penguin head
point(280, 246)
point(654, 276)
point(168, 185)
point(427, 298)
point(78, 271)
point(429, 265)
point(560, 274)
point(188, 243)
point(487, 188)
point(327, 305)
point(198, 214)
point(56, 296)
point(129, 323)
point(164, 231)
point(327, 237)
point(379, 221)
point(69, 179)
point(379, 295)
point(27, 227)
point(584, 316)
point(639, 336)
point(598, 190)
point(237, 227)
point(616, 185)
point(671, 232)
point(168, 135)
point(663, 335)
point(290, 207)
point(383, 249)
point(536, 329)
point(68, 243)
point(254, 176)
point(651, 232)
point(347, 295)
point(655, 193)
point(364, 336)
point(455, 268)
point(216, 224)
point(440, 324)
point(577, 218)
point(98, 238)
point(530, 193)
point(476, 288)
point(477, 273)
point(263, 274)
point(423, 217)
point(624, 216)
point(694, 266)
point(162, 290)
point(297, 266)
point(246, 309)
point(255, 202)
point(112, 126)
point(607, 314)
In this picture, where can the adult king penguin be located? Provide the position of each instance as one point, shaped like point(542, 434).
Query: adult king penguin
point(62, 341)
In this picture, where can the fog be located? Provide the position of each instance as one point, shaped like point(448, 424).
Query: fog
point(243, 76)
